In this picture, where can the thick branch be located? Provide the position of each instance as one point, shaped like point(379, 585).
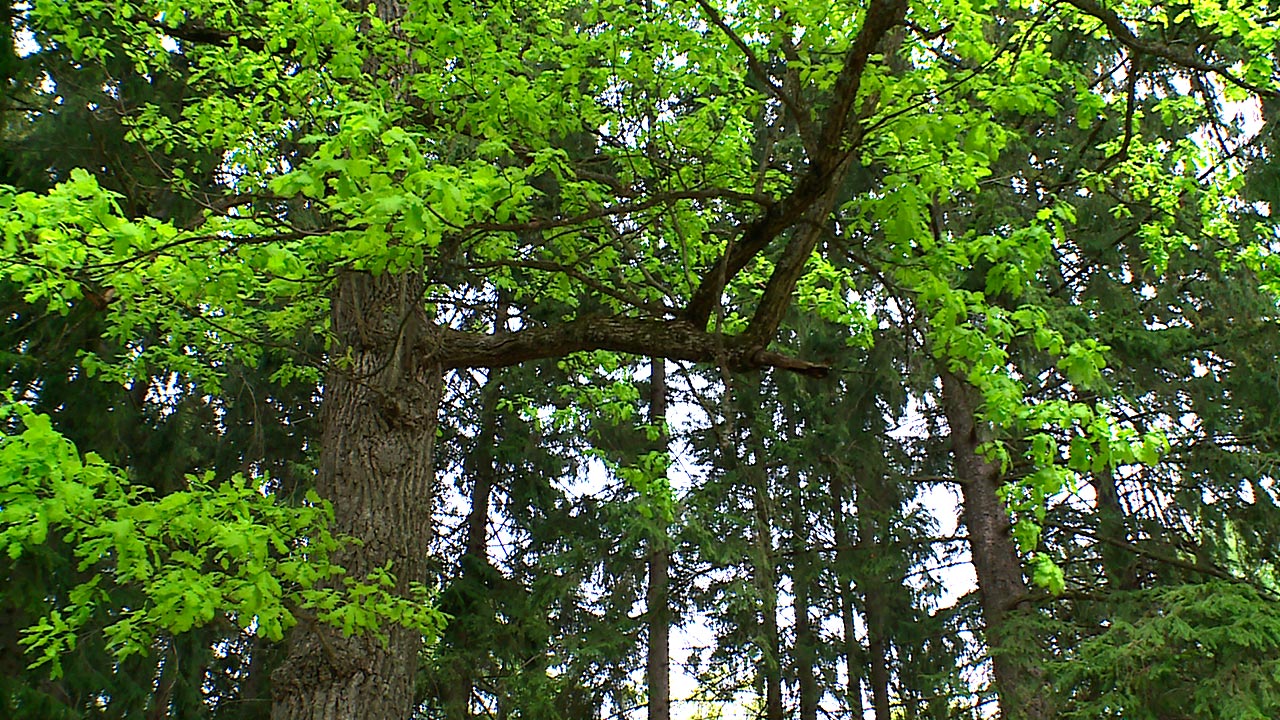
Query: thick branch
point(756, 236)
point(198, 34)
point(882, 15)
point(671, 339)
point(790, 267)
point(825, 169)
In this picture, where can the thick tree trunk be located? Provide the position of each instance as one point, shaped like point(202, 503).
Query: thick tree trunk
point(378, 433)
point(658, 672)
point(995, 557)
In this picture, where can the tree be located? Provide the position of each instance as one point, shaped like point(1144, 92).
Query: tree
point(369, 171)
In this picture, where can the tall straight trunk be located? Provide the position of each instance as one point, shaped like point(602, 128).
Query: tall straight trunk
point(845, 561)
point(474, 563)
point(771, 644)
point(378, 420)
point(658, 674)
point(806, 650)
point(995, 557)
point(766, 583)
point(875, 601)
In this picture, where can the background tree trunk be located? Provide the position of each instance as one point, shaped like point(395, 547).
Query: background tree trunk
point(870, 581)
point(803, 577)
point(658, 672)
point(995, 557)
point(842, 505)
point(474, 569)
point(379, 418)
point(767, 586)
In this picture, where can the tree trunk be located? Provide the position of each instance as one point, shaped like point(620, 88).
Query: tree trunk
point(659, 601)
point(1117, 562)
point(806, 634)
point(470, 587)
point(378, 421)
point(766, 583)
point(995, 557)
point(875, 601)
point(853, 651)
point(771, 645)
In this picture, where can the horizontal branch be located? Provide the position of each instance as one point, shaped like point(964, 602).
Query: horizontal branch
point(198, 34)
point(670, 339)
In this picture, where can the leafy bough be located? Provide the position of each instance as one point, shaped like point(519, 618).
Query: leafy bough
point(216, 550)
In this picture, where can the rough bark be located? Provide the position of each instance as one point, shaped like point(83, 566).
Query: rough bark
point(672, 339)
point(1001, 585)
point(378, 422)
point(658, 669)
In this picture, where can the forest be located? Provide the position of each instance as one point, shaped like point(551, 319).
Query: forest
point(666, 359)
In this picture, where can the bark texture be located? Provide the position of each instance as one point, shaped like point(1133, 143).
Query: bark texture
point(658, 671)
point(378, 421)
point(1001, 585)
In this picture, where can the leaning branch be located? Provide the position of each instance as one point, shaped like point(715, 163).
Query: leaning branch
point(1176, 55)
point(825, 172)
point(799, 112)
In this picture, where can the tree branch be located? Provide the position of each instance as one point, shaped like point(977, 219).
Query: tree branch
point(1178, 56)
point(671, 339)
point(825, 172)
point(799, 113)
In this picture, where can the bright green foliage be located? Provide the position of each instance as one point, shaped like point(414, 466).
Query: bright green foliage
point(1043, 198)
point(484, 153)
point(213, 550)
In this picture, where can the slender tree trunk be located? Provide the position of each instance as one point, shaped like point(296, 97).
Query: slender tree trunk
point(804, 588)
point(766, 583)
point(659, 601)
point(455, 696)
point(995, 557)
point(875, 600)
point(379, 419)
point(772, 646)
point(853, 650)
